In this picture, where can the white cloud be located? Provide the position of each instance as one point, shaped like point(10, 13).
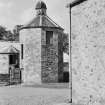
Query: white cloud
point(5, 13)
point(6, 5)
point(27, 15)
point(56, 10)
point(2, 5)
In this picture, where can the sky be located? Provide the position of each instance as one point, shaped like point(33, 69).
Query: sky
point(19, 12)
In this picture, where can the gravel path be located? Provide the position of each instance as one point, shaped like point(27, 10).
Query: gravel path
point(18, 95)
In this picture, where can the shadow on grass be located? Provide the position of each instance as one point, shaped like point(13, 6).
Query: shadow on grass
point(48, 85)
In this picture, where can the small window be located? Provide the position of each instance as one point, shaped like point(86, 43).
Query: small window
point(49, 37)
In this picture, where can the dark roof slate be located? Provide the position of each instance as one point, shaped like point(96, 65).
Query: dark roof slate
point(40, 5)
point(42, 21)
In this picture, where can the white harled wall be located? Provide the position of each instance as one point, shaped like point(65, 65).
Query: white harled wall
point(31, 40)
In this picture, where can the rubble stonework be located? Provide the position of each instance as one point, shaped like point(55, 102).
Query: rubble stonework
point(88, 52)
point(31, 39)
point(52, 58)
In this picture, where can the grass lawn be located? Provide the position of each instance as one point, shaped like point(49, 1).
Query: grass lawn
point(45, 94)
point(49, 85)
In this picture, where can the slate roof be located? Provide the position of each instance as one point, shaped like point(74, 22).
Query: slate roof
point(40, 5)
point(10, 50)
point(42, 21)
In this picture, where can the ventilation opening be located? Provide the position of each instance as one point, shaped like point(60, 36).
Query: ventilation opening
point(49, 37)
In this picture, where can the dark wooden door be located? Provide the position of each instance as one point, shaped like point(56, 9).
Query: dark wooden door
point(66, 77)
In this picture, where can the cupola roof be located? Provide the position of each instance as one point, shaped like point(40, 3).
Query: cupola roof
point(40, 5)
point(41, 20)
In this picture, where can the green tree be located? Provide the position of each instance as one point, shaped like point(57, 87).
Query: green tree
point(10, 36)
point(3, 32)
point(6, 35)
point(66, 43)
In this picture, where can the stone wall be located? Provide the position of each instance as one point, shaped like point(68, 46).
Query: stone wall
point(88, 53)
point(41, 63)
point(60, 57)
point(4, 64)
point(49, 58)
point(31, 39)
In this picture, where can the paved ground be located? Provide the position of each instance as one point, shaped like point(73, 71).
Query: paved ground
point(19, 95)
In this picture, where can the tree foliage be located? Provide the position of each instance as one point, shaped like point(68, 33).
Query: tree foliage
point(66, 43)
point(2, 32)
point(6, 35)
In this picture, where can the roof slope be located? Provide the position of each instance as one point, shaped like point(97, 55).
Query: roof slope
point(42, 21)
point(10, 50)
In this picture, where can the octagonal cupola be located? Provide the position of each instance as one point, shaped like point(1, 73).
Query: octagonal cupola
point(41, 8)
point(41, 20)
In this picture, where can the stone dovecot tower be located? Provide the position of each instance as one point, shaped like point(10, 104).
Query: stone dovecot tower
point(42, 55)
